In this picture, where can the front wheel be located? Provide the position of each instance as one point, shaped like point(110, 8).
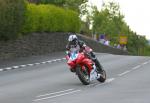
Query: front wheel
point(102, 77)
point(83, 75)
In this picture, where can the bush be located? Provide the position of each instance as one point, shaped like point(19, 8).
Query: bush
point(11, 18)
point(49, 18)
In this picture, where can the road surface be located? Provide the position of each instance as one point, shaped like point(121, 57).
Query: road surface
point(50, 81)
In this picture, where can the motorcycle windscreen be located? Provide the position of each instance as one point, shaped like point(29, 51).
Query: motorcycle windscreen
point(73, 55)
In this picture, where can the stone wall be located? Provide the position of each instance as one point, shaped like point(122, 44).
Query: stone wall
point(44, 43)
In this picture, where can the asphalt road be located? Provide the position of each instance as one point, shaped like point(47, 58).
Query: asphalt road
point(128, 81)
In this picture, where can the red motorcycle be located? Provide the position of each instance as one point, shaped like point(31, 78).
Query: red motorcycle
point(84, 67)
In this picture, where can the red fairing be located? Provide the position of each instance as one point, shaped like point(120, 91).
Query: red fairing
point(89, 64)
point(81, 60)
point(72, 64)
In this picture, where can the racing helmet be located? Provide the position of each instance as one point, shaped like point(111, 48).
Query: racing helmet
point(72, 38)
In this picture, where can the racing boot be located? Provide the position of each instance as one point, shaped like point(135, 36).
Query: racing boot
point(98, 65)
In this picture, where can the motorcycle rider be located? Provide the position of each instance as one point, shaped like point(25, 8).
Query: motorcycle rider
point(74, 44)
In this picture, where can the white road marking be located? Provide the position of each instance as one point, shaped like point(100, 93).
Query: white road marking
point(8, 68)
point(64, 58)
point(99, 84)
point(124, 73)
point(37, 63)
point(91, 85)
point(145, 63)
point(138, 66)
point(30, 64)
point(106, 82)
point(58, 59)
point(54, 60)
point(54, 96)
point(23, 65)
point(49, 61)
point(55, 92)
point(43, 62)
point(15, 67)
point(109, 80)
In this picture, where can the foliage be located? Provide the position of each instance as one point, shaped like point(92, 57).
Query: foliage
point(111, 22)
point(11, 18)
point(85, 28)
point(137, 44)
point(71, 4)
point(49, 18)
point(147, 50)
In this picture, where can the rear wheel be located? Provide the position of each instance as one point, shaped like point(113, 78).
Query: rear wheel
point(83, 75)
point(102, 77)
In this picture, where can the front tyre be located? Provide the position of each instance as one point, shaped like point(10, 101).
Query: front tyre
point(83, 75)
point(102, 77)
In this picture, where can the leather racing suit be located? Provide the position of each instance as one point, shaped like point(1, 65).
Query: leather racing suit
point(80, 46)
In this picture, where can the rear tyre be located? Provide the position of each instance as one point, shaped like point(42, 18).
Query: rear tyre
point(83, 75)
point(102, 77)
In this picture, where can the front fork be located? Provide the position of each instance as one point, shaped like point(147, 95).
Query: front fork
point(94, 74)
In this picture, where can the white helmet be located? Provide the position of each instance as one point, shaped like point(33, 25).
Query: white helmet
point(72, 37)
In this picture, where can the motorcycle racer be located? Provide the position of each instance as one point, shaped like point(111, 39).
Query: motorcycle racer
point(74, 44)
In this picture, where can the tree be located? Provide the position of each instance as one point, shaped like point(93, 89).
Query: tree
point(12, 18)
point(71, 4)
point(109, 20)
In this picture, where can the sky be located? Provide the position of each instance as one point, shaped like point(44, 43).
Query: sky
point(136, 12)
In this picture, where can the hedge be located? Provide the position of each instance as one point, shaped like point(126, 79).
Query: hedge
point(11, 18)
point(49, 18)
